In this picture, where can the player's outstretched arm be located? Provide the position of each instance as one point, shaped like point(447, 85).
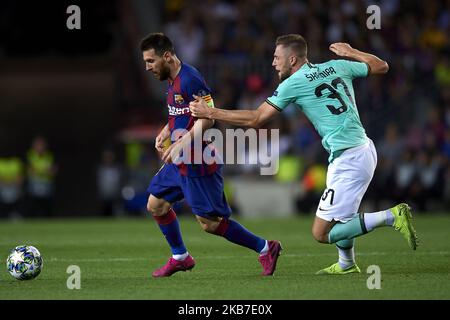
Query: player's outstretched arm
point(376, 65)
point(242, 118)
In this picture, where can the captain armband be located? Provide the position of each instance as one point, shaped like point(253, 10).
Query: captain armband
point(209, 100)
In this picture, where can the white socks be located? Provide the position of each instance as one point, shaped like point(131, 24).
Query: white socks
point(371, 221)
point(346, 257)
point(180, 257)
point(265, 249)
point(378, 219)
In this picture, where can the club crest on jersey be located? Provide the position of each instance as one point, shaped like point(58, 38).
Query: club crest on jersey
point(178, 98)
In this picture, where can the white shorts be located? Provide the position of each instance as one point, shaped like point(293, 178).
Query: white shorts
point(348, 178)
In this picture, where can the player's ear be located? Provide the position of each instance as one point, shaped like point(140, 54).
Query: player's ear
point(167, 56)
point(293, 60)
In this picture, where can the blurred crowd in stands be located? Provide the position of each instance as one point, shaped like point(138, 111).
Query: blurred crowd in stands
point(406, 112)
point(27, 183)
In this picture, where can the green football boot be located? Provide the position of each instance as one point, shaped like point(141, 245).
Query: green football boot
point(403, 223)
point(335, 269)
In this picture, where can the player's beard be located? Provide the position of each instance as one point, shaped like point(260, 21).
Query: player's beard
point(164, 74)
point(284, 74)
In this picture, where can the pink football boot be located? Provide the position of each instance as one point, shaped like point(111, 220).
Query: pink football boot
point(269, 260)
point(173, 266)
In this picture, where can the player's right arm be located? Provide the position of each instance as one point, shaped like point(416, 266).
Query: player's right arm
point(162, 136)
point(242, 118)
point(376, 65)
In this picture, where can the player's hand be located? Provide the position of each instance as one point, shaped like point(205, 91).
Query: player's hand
point(342, 49)
point(159, 143)
point(199, 108)
point(172, 154)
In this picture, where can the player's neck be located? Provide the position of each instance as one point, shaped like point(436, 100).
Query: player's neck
point(299, 66)
point(175, 69)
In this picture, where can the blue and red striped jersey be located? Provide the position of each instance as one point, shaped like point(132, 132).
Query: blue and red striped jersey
point(180, 92)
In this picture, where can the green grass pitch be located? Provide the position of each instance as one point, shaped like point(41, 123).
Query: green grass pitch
point(117, 256)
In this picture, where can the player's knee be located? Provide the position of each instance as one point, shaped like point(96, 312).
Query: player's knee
point(156, 207)
point(320, 236)
point(209, 226)
point(155, 210)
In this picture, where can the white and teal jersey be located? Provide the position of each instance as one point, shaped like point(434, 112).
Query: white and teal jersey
point(324, 92)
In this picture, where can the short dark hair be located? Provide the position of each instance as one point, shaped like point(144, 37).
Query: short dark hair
point(296, 42)
point(157, 41)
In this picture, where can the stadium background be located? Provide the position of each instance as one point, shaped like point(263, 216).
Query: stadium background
point(86, 91)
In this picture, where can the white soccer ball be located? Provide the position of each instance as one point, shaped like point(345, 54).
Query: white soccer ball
point(24, 262)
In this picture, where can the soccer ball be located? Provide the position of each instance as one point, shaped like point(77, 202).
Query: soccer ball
point(24, 262)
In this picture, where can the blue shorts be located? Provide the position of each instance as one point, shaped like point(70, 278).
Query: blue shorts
point(203, 194)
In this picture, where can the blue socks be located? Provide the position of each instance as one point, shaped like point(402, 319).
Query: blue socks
point(171, 229)
point(229, 229)
point(236, 233)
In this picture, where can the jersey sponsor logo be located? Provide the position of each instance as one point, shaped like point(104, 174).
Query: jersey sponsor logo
point(178, 98)
point(320, 75)
point(174, 111)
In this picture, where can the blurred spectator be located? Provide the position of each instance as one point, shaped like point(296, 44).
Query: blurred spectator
point(11, 187)
point(109, 178)
point(446, 144)
point(305, 137)
point(253, 93)
point(187, 36)
point(138, 173)
point(446, 187)
point(41, 170)
point(290, 168)
point(442, 71)
point(312, 185)
point(431, 176)
point(390, 149)
point(405, 173)
point(436, 127)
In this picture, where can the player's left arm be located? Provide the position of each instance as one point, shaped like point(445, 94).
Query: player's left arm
point(376, 65)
